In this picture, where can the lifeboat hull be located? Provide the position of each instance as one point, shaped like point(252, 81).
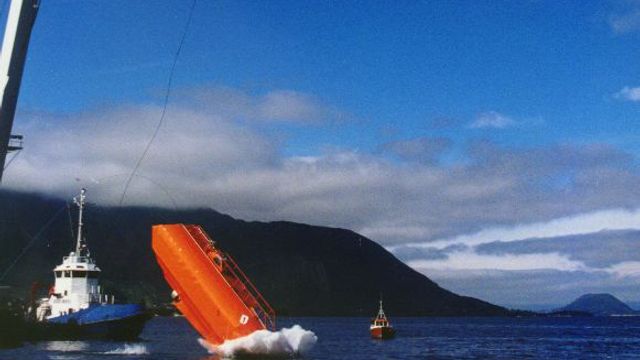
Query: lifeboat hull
point(215, 303)
point(382, 332)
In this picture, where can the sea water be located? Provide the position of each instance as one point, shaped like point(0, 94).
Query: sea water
point(417, 338)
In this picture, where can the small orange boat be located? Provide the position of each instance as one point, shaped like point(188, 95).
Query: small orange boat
point(380, 327)
point(209, 288)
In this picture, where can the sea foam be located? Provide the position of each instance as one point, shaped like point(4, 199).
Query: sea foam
point(129, 349)
point(286, 343)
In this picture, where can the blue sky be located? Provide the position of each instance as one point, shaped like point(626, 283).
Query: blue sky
point(551, 66)
point(445, 130)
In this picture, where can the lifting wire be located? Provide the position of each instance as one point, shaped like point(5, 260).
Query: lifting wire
point(164, 105)
point(151, 181)
point(32, 241)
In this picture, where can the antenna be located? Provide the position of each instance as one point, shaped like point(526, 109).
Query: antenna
point(79, 200)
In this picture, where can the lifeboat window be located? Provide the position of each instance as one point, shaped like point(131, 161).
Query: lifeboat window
point(78, 274)
point(58, 274)
point(67, 273)
point(217, 260)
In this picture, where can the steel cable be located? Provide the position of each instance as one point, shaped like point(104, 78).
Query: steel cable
point(164, 106)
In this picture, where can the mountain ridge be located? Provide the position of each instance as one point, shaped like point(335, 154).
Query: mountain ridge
point(302, 269)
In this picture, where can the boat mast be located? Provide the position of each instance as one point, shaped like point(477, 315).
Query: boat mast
point(381, 315)
point(79, 200)
point(22, 15)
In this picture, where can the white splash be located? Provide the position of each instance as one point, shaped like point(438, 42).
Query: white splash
point(286, 343)
point(129, 349)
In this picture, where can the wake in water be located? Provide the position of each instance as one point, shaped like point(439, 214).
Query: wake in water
point(286, 343)
point(66, 346)
point(129, 349)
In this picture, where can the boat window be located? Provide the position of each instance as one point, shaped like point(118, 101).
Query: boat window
point(58, 274)
point(67, 273)
point(92, 274)
point(79, 274)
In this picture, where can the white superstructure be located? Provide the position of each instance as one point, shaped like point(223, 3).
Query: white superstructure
point(76, 285)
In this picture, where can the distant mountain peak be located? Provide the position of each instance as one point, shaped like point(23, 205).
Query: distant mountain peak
point(600, 304)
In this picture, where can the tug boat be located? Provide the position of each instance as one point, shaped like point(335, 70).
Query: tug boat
point(209, 288)
point(76, 307)
point(380, 327)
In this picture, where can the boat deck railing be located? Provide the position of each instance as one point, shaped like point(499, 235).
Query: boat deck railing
point(238, 280)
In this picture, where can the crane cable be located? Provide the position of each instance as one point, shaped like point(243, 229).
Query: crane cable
point(164, 105)
point(32, 241)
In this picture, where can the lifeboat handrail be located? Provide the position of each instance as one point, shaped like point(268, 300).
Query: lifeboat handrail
point(265, 313)
point(268, 314)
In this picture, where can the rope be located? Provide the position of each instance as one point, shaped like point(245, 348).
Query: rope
point(31, 242)
point(164, 105)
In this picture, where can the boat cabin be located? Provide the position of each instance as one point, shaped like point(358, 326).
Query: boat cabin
point(380, 322)
point(76, 285)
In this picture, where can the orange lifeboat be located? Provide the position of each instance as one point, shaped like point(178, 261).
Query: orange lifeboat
point(209, 288)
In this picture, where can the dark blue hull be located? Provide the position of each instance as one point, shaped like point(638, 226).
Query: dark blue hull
point(113, 322)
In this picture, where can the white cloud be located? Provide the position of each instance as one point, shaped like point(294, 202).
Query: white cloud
point(190, 149)
point(277, 106)
point(288, 105)
point(616, 219)
point(469, 260)
point(626, 22)
point(625, 269)
point(628, 94)
point(422, 149)
point(492, 119)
